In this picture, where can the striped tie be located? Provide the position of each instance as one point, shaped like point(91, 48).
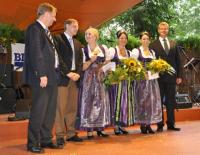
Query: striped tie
point(51, 39)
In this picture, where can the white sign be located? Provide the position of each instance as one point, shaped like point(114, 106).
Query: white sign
point(18, 56)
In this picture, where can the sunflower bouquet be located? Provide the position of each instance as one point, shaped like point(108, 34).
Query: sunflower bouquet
point(160, 66)
point(134, 69)
point(128, 69)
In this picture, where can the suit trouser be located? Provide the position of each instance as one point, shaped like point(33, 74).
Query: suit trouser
point(167, 92)
point(66, 110)
point(42, 114)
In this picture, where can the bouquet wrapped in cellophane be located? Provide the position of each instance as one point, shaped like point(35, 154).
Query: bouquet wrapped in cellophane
point(128, 69)
point(160, 66)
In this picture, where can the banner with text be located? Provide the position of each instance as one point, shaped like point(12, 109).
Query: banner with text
point(18, 56)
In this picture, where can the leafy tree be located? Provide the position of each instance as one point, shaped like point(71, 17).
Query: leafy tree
point(187, 24)
point(10, 34)
point(143, 17)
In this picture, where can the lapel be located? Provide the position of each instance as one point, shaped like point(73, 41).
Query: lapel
point(68, 44)
point(66, 41)
point(44, 32)
point(172, 45)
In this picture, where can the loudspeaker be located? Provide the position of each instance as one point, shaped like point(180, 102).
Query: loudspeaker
point(22, 110)
point(183, 101)
point(6, 75)
point(7, 100)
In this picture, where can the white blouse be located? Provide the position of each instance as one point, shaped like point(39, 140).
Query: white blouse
point(135, 53)
point(112, 53)
point(100, 54)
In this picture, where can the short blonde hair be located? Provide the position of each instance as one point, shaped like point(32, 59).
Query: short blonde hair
point(93, 31)
point(163, 23)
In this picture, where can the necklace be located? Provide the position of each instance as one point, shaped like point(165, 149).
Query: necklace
point(146, 53)
point(122, 52)
point(95, 51)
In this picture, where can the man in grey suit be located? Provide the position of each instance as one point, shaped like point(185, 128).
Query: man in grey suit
point(168, 50)
point(39, 72)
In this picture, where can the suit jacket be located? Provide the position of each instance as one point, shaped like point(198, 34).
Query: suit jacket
point(173, 58)
point(39, 56)
point(65, 58)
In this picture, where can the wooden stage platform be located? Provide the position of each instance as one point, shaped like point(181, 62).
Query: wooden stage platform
point(185, 142)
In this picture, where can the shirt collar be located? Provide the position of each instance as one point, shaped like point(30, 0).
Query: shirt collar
point(42, 24)
point(68, 36)
point(161, 39)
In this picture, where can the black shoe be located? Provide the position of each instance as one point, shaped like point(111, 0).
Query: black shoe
point(123, 131)
point(117, 131)
point(100, 133)
point(143, 129)
point(50, 145)
point(60, 142)
point(173, 128)
point(160, 129)
point(149, 129)
point(90, 137)
point(35, 149)
point(75, 139)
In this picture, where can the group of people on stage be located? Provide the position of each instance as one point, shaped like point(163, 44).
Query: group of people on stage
point(68, 90)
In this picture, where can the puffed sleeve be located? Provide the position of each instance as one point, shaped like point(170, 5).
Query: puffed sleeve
point(134, 53)
point(106, 52)
point(111, 52)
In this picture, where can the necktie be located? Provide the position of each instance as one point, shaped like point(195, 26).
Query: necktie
point(166, 46)
point(73, 54)
point(56, 54)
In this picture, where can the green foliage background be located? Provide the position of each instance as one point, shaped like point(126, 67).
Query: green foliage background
point(183, 17)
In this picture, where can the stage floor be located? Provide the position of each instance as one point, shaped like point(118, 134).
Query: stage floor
point(185, 142)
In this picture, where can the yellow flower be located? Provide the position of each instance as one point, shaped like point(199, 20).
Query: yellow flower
point(95, 52)
point(132, 63)
point(160, 66)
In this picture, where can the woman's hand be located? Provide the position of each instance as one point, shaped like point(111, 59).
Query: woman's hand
point(93, 58)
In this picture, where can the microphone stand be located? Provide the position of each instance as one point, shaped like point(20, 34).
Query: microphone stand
point(188, 59)
point(189, 62)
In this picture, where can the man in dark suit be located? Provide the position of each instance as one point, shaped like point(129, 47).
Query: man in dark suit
point(70, 68)
point(168, 50)
point(39, 72)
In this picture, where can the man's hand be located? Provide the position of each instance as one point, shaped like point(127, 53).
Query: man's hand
point(76, 77)
point(93, 58)
point(43, 81)
point(73, 76)
point(70, 75)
